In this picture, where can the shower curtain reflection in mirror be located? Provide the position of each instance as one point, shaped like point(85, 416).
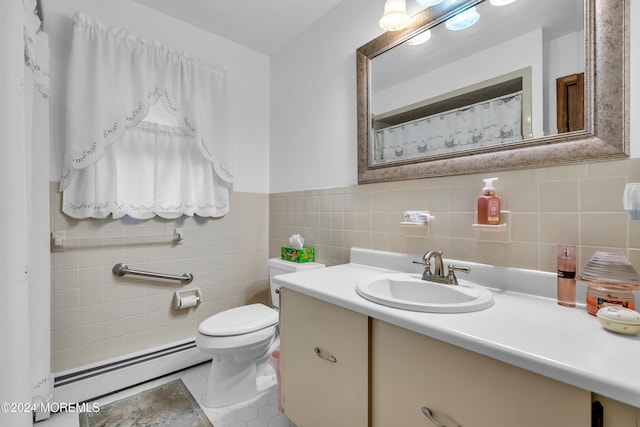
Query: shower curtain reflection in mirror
point(493, 122)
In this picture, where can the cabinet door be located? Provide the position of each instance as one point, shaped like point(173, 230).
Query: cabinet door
point(461, 388)
point(617, 414)
point(316, 389)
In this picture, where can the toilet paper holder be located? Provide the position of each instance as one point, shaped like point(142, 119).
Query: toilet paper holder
point(187, 299)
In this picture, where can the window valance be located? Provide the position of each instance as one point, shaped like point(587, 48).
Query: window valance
point(184, 182)
point(114, 77)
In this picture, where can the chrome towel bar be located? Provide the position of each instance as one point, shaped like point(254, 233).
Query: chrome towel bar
point(59, 241)
point(121, 269)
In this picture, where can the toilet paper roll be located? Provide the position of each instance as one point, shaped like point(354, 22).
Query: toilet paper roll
point(189, 301)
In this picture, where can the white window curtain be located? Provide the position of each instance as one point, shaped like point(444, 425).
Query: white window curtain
point(112, 163)
point(492, 122)
point(25, 293)
point(184, 182)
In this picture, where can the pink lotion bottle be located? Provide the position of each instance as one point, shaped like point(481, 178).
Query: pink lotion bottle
point(489, 204)
point(567, 275)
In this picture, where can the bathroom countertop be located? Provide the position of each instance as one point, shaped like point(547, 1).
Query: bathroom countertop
point(529, 331)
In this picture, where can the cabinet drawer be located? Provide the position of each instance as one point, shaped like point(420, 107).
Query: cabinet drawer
point(617, 414)
point(460, 387)
point(317, 390)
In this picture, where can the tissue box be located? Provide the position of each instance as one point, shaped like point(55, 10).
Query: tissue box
point(298, 255)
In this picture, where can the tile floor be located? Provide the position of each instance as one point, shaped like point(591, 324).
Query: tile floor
point(261, 411)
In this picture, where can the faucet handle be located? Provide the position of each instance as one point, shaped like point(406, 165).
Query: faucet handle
point(427, 267)
point(453, 280)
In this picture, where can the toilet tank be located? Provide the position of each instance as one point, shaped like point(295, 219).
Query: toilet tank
point(279, 266)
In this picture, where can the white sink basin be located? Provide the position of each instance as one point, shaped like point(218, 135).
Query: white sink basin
point(409, 292)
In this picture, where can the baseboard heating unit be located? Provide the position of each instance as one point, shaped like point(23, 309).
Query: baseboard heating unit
point(91, 381)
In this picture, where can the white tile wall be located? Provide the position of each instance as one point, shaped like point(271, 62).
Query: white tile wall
point(96, 316)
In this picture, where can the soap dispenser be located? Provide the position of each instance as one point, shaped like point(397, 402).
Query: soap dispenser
point(489, 204)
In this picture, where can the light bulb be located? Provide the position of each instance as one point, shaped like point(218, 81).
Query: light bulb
point(419, 39)
point(463, 20)
point(429, 3)
point(395, 15)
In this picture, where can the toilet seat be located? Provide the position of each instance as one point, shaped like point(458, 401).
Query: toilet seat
point(236, 343)
point(239, 321)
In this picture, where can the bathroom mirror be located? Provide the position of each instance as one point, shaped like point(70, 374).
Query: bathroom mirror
point(596, 44)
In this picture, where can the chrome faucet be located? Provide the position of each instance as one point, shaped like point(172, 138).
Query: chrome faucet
point(438, 267)
point(438, 273)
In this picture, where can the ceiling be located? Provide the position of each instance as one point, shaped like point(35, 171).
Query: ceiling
point(265, 26)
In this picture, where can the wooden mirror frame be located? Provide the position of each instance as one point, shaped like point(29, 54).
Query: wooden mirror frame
point(606, 109)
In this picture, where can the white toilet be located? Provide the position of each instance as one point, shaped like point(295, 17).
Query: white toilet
point(240, 341)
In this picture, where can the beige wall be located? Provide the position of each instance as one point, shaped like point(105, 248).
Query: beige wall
point(578, 204)
point(96, 315)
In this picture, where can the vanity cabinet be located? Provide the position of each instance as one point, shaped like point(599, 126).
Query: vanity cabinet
point(341, 368)
point(324, 369)
point(410, 371)
point(617, 414)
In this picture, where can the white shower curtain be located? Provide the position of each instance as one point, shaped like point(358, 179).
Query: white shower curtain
point(484, 124)
point(24, 252)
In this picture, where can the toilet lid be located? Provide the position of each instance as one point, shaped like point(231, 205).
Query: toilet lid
point(239, 320)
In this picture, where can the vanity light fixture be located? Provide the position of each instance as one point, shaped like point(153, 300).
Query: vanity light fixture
point(463, 20)
point(499, 2)
point(421, 38)
point(429, 3)
point(395, 15)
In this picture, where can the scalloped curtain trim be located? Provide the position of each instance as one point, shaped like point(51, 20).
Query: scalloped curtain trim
point(487, 123)
point(154, 170)
point(114, 76)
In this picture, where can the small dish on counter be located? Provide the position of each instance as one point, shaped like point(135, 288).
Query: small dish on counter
point(619, 319)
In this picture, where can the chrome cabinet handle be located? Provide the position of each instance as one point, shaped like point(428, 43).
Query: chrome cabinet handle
point(427, 413)
point(318, 352)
